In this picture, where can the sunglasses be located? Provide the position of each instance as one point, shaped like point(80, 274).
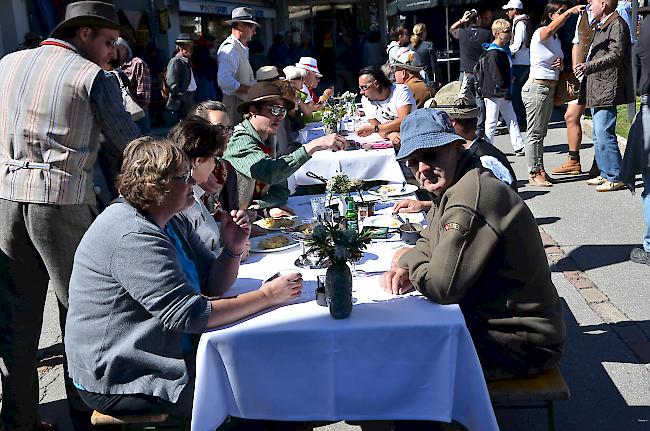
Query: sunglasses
point(225, 130)
point(276, 110)
point(365, 87)
point(424, 157)
point(185, 177)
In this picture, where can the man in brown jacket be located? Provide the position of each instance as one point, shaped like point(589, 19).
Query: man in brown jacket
point(408, 72)
point(482, 250)
point(607, 83)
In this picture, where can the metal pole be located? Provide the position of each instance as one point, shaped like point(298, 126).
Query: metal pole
point(447, 39)
point(382, 21)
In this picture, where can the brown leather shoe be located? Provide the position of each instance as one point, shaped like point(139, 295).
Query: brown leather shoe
point(569, 167)
point(538, 180)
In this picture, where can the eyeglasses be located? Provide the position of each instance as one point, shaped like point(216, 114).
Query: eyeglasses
point(217, 159)
point(424, 157)
point(225, 130)
point(561, 11)
point(365, 87)
point(276, 110)
point(505, 31)
point(185, 177)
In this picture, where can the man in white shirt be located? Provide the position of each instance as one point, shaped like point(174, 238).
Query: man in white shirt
point(384, 103)
point(235, 76)
point(522, 31)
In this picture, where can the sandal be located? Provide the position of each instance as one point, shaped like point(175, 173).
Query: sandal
point(538, 179)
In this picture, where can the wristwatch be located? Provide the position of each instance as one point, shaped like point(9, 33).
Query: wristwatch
point(376, 128)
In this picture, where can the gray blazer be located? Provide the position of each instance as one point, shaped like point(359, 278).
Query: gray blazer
point(179, 74)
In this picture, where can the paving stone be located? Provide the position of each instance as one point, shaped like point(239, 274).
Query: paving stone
point(593, 295)
point(583, 283)
point(609, 313)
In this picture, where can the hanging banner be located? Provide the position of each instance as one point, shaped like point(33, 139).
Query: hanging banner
point(134, 17)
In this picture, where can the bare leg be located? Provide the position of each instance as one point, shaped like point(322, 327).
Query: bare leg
point(571, 165)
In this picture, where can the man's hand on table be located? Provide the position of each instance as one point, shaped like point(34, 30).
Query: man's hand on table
point(282, 288)
point(396, 281)
point(235, 230)
point(366, 130)
point(394, 138)
point(411, 206)
point(332, 142)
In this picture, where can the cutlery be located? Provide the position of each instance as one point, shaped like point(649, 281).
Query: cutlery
point(403, 187)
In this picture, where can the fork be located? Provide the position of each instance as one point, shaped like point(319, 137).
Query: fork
point(403, 187)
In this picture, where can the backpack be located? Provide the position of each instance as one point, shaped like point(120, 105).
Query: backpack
point(479, 70)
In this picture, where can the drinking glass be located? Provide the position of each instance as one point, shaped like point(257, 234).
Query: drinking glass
point(318, 208)
point(328, 215)
point(363, 212)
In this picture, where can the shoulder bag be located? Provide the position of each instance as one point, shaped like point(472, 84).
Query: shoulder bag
point(130, 106)
point(567, 89)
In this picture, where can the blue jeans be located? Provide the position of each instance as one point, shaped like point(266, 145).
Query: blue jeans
point(645, 196)
point(608, 156)
point(520, 74)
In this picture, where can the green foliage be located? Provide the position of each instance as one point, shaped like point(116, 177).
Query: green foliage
point(332, 114)
point(341, 184)
point(331, 242)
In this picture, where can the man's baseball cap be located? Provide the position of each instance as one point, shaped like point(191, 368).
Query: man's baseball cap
point(513, 4)
point(425, 128)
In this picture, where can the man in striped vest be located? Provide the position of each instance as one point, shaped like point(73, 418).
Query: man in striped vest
point(55, 101)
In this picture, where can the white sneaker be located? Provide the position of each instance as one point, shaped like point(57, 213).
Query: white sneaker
point(596, 181)
point(610, 186)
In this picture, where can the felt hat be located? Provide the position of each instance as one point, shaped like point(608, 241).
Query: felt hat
point(242, 14)
point(88, 14)
point(262, 91)
point(184, 39)
point(407, 60)
point(446, 99)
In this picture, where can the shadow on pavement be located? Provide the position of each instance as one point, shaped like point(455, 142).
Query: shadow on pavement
point(559, 179)
point(596, 402)
point(547, 220)
point(592, 256)
point(529, 194)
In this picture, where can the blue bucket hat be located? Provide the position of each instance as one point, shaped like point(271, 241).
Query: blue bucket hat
point(425, 128)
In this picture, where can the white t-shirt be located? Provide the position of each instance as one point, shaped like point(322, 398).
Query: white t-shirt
point(542, 56)
point(385, 111)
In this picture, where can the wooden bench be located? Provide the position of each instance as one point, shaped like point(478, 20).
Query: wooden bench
point(142, 422)
point(525, 392)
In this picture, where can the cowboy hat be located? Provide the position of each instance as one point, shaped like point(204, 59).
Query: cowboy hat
point(88, 14)
point(260, 92)
point(242, 14)
point(407, 60)
point(310, 64)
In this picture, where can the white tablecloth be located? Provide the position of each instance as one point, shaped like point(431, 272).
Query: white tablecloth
point(393, 358)
point(369, 165)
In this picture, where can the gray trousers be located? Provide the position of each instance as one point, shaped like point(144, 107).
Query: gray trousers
point(37, 244)
point(538, 100)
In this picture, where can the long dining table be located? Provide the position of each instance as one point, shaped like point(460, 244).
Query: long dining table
point(394, 357)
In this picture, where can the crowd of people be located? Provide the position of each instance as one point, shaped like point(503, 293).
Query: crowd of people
point(139, 236)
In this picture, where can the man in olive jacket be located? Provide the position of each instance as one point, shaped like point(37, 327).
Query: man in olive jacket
point(607, 83)
point(482, 250)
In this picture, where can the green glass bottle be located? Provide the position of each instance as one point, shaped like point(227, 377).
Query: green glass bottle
point(351, 215)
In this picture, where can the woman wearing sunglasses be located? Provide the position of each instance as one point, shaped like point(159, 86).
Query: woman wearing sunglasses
point(260, 180)
point(143, 287)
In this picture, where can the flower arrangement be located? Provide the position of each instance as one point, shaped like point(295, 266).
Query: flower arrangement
point(337, 245)
point(341, 184)
point(331, 116)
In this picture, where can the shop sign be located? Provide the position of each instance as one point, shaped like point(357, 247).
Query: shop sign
point(219, 8)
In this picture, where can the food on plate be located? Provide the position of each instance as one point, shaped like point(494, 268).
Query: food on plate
point(276, 223)
point(387, 189)
point(274, 242)
point(394, 222)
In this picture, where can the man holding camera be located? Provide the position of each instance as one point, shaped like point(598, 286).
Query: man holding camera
point(472, 31)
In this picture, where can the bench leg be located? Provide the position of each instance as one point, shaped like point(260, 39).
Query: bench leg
point(551, 415)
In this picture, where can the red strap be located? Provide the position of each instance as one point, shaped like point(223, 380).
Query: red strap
point(53, 43)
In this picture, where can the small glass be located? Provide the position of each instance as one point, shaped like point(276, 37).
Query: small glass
point(318, 208)
point(328, 215)
point(362, 210)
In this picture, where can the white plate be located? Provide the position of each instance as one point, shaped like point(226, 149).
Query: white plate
point(255, 243)
point(260, 223)
point(385, 220)
point(410, 188)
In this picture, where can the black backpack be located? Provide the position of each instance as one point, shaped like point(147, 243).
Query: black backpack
point(478, 71)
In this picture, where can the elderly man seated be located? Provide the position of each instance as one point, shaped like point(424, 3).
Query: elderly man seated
point(482, 250)
point(407, 71)
point(384, 103)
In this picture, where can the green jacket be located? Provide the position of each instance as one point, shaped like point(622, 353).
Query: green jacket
point(483, 250)
point(252, 164)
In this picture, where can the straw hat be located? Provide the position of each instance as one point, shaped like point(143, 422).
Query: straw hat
point(408, 61)
point(267, 73)
point(88, 14)
point(310, 64)
point(446, 99)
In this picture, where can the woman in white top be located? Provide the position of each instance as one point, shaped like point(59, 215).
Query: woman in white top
point(546, 61)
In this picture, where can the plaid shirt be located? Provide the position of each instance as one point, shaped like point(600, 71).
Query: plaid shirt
point(138, 73)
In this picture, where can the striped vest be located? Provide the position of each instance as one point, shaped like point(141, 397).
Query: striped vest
point(48, 135)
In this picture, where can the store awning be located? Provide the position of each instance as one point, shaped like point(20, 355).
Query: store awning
point(412, 5)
